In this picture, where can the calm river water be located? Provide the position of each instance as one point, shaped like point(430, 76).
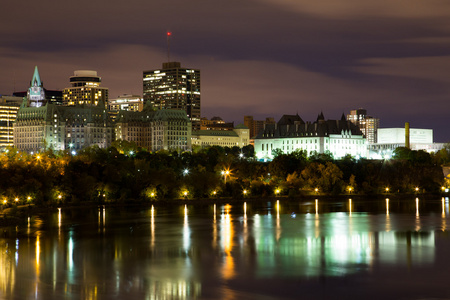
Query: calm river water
point(346, 249)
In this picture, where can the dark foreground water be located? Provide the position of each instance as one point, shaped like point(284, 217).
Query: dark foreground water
point(384, 249)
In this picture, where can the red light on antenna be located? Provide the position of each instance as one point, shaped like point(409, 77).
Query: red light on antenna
point(169, 33)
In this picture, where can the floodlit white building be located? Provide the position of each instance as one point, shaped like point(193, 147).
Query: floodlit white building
point(391, 138)
point(239, 137)
point(338, 137)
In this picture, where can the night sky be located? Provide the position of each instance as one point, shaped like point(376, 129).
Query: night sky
point(257, 57)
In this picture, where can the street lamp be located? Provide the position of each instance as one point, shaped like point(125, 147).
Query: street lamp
point(387, 190)
point(225, 173)
point(245, 192)
point(277, 191)
point(185, 172)
point(316, 190)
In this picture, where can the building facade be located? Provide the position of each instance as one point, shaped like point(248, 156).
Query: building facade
point(60, 127)
point(126, 102)
point(367, 124)
point(171, 130)
point(391, 138)
point(291, 133)
point(174, 87)
point(85, 90)
point(166, 129)
point(9, 105)
point(135, 126)
point(237, 137)
point(255, 126)
point(216, 123)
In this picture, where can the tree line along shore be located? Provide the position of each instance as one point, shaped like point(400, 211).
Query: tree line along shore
point(124, 174)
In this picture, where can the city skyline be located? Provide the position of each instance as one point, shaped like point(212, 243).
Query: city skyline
point(263, 58)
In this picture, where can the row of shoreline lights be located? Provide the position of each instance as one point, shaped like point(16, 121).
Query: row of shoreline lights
point(245, 192)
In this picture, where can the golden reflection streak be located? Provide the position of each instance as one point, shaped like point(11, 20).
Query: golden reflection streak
point(228, 267)
point(417, 215)
point(417, 207)
point(38, 251)
point(387, 206)
point(152, 227)
point(245, 213)
point(186, 241)
point(104, 218)
point(214, 243)
point(317, 206)
point(59, 222)
point(444, 221)
point(350, 207)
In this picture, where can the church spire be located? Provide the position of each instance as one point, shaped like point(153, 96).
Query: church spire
point(36, 80)
point(36, 92)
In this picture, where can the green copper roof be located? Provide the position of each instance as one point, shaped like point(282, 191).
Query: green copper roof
point(36, 81)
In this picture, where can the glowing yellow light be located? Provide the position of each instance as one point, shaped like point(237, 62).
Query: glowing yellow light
point(245, 192)
point(316, 190)
point(28, 198)
point(387, 189)
point(4, 201)
point(277, 191)
point(38, 157)
point(214, 193)
point(17, 199)
point(152, 194)
point(59, 196)
point(185, 193)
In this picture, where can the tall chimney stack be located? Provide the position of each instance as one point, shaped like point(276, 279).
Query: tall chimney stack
point(407, 144)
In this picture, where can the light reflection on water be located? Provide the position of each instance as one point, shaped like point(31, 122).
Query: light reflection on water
point(203, 251)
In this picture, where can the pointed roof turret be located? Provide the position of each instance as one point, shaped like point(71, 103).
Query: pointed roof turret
point(320, 117)
point(343, 117)
point(36, 80)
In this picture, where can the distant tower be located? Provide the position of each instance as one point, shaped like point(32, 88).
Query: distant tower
point(174, 87)
point(367, 124)
point(36, 93)
point(85, 90)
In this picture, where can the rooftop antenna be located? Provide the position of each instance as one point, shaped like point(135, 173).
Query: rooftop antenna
point(168, 45)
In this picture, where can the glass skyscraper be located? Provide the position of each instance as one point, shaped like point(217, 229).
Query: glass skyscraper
point(174, 87)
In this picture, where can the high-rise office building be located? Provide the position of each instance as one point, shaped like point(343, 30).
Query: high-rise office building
point(85, 90)
point(367, 124)
point(174, 87)
point(9, 105)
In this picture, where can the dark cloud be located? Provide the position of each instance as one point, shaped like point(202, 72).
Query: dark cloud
point(257, 57)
